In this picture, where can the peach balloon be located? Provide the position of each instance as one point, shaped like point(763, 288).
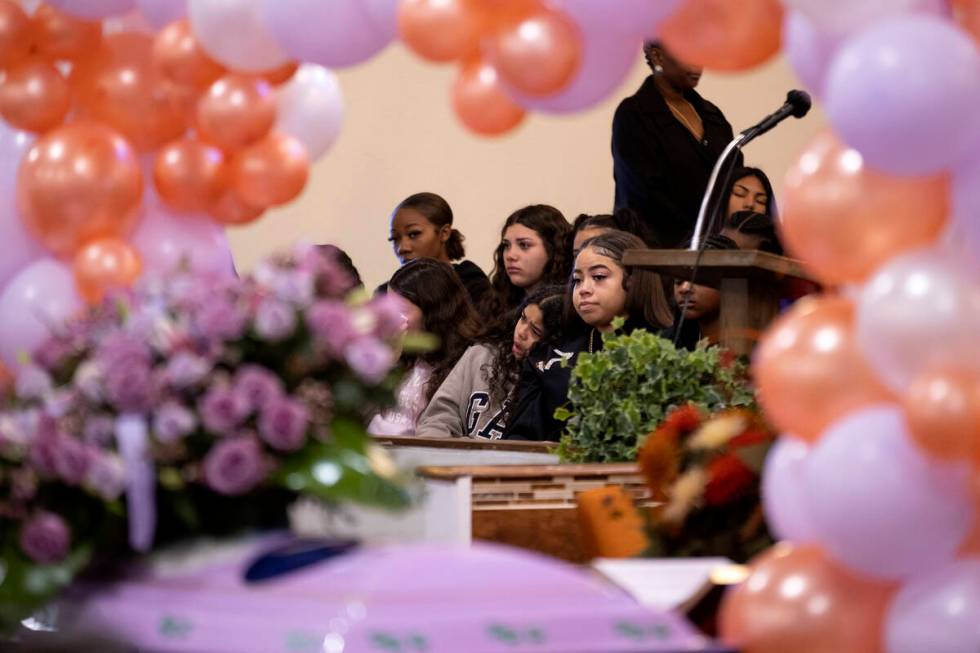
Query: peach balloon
point(103, 265)
point(236, 111)
point(34, 96)
point(809, 370)
point(942, 408)
point(538, 55)
point(189, 175)
point(231, 210)
point(271, 172)
point(967, 14)
point(60, 36)
point(179, 56)
point(481, 103)
point(280, 75)
point(440, 30)
point(15, 33)
point(722, 34)
point(122, 87)
point(844, 219)
point(796, 600)
point(79, 182)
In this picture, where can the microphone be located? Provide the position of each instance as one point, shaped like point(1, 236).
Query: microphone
point(797, 105)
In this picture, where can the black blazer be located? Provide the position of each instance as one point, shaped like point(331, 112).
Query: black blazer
point(661, 170)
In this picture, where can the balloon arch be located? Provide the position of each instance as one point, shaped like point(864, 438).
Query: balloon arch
point(134, 131)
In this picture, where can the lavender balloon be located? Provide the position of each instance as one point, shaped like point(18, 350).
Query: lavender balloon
point(383, 14)
point(39, 299)
point(847, 16)
point(783, 492)
point(234, 33)
point(335, 34)
point(877, 504)
point(809, 50)
point(963, 232)
point(93, 9)
point(19, 247)
point(162, 12)
point(166, 240)
point(905, 94)
point(938, 612)
point(637, 18)
point(311, 109)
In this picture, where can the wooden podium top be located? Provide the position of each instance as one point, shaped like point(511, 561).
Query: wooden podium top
point(717, 264)
point(480, 444)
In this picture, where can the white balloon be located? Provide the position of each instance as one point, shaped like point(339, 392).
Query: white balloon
point(42, 297)
point(233, 33)
point(311, 109)
point(919, 311)
point(846, 16)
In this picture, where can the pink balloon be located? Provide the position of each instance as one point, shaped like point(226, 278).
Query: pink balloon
point(19, 247)
point(809, 50)
point(607, 59)
point(335, 34)
point(783, 492)
point(93, 9)
point(638, 18)
point(881, 506)
point(167, 240)
point(42, 297)
point(162, 12)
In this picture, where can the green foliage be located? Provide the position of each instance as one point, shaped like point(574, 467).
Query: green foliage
point(618, 395)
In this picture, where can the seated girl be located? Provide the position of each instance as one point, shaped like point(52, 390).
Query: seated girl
point(601, 290)
point(435, 302)
point(751, 190)
point(531, 253)
point(422, 227)
point(474, 398)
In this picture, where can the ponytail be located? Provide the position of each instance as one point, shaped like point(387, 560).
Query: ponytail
point(454, 246)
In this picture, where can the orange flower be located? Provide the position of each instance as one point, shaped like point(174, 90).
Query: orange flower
point(659, 461)
point(684, 418)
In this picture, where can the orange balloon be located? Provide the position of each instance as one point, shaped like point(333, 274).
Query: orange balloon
point(440, 30)
point(282, 74)
point(480, 102)
point(15, 33)
point(103, 265)
point(60, 36)
point(967, 14)
point(844, 220)
point(34, 96)
point(231, 210)
point(77, 183)
point(942, 408)
point(189, 175)
point(236, 111)
point(797, 600)
point(121, 87)
point(722, 34)
point(497, 15)
point(809, 370)
point(270, 172)
point(538, 55)
point(181, 59)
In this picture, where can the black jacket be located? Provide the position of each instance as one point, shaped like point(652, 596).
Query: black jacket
point(661, 170)
point(543, 384)
point(474, 279)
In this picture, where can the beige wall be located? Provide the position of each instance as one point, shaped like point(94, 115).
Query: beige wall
point(400, 136)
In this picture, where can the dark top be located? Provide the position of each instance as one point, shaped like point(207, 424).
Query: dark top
point(475, 281)
point(661, 170)
point(543, 384)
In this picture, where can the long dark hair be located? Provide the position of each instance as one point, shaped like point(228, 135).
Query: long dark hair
point(758, 225)
point(645, 296)
point(553, 229)
point(747, 171)
point(503, 371)
point(437, 211)
point(624, 219)
point(435, 288)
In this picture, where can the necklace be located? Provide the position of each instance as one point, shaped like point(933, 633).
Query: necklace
point(591, 337)
point(680, 116)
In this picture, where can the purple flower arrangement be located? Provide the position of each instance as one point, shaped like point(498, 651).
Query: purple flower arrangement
point(234, 386)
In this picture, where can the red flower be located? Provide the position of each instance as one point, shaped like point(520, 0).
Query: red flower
point(684, 418)
point(728, 480)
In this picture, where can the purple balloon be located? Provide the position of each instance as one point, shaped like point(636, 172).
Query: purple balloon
point(878, 504)
point(938, 612)
point(334, 34)
point(637, 18)
point(606, 61)
point(160, 13)
point(809, 50)
point(905, 94)
point(19, 247)
point(783, 491)
point(166, 240)
point(963, 231)
point(92, 9)
point(383, 14)
point(41, 298)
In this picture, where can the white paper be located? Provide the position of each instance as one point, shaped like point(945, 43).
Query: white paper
point(662, 583)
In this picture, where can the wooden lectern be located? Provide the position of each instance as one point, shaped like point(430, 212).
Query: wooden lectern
point(751, 284)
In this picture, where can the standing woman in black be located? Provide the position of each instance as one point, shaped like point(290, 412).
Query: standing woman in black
point(665, 140)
